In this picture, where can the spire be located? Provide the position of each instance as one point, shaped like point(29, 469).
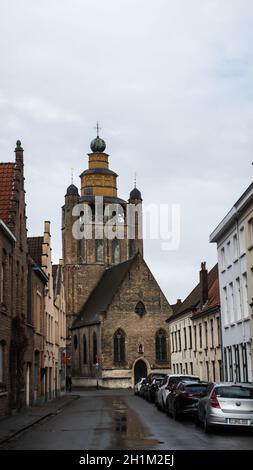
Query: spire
point(72, 190)
point(98, 145)
point(98, 128)
point(135, 193)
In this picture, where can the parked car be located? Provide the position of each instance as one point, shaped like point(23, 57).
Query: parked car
point(152, 388)
point(169, 382)
point(143, 387)
point(152, 380)
point(227, 404)
point(184, 398)
point(138, 386)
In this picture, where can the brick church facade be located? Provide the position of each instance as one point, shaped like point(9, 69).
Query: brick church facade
point(116, 311)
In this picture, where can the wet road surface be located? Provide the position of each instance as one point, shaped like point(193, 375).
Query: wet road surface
point(117, 419)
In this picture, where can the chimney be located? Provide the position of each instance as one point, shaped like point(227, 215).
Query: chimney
point(47, 227)
point(203, 278)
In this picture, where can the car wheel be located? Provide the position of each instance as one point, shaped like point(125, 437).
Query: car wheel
point(167, 409)
point(206, 426)
point(175, 413)
point(197, 421)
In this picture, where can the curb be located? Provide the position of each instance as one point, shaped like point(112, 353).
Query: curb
point(38, 420)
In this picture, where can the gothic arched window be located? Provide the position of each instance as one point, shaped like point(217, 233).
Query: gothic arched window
point(84, 349)
point(81, 251)
point(119, 346)
point(115, 251)
point(160, 345)
point(95, 348)
point(75, 342)
point(99, 251)
point(140, 309)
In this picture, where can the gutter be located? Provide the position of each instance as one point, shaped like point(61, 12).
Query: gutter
point(40, 273)
point(7, 231)
point(232, 215)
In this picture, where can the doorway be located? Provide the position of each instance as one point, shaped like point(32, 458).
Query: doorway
point(140, 370)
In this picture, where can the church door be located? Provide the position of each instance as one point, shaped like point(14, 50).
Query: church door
point(140, 370)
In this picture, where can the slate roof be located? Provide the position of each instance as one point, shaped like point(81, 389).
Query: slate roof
point(72, 190)
point(99, 171)
point(35, 248)
point(192, 301)
point(106, 199)
point(102, 295)
point(6, 189)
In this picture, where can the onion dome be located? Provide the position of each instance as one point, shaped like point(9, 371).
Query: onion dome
point(135, 194)
point(98, 145)
point(72, 191)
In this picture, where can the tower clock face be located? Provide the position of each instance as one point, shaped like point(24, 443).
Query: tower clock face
point(120, 219)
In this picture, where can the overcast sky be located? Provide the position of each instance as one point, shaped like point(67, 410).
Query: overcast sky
point(171, 84)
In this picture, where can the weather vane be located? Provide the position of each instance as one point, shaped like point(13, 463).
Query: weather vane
point(98, 128)
point(72, 175)
point(135, 176)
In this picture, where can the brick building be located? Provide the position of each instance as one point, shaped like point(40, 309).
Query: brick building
point(7, 242)
point(51, 330)
point(37, 282)
point(116, 311)
point(18, 336)
point(60, 325)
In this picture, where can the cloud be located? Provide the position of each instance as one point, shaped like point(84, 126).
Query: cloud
point(171, 83)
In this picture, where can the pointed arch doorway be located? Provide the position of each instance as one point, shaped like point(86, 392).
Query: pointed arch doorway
point(140, 370)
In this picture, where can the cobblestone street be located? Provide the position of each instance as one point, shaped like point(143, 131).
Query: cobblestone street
point(101, 420)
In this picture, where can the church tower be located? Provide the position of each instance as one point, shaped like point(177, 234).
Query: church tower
point(104, 243)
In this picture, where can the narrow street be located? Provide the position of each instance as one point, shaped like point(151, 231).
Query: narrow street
point(101, 420)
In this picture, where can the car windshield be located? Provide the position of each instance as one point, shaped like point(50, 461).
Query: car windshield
point(234, 391)
point(196, 388)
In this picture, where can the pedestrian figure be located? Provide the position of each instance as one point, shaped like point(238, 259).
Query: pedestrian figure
point(69, 383)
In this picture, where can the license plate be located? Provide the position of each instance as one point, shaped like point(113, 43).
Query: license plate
point(238, 421)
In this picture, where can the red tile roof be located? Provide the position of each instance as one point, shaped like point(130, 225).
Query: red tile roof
point(193, 300)
point(6, 189)
point(213, 300)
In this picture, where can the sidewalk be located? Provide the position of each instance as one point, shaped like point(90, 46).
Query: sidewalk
point(10, 426)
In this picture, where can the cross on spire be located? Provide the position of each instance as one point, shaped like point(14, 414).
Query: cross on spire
point(98, 128)
point(135, 176)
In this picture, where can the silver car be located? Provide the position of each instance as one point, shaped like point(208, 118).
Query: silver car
point(138, 385)
point(226, 404)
